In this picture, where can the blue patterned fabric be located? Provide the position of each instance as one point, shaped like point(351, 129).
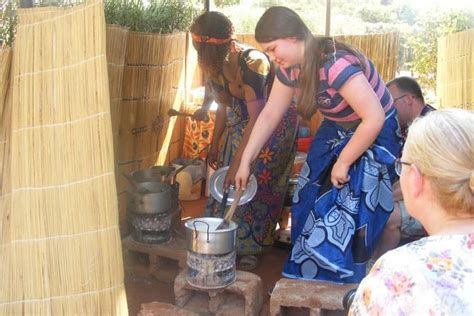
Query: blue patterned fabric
point(334, 232)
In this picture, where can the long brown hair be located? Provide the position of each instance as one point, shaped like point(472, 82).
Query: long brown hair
point(211, 56)
point(282, 22)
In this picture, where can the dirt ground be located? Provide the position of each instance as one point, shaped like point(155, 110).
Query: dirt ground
point(145, 289)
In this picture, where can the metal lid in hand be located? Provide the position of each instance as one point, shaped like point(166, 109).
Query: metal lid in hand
point(216, 183)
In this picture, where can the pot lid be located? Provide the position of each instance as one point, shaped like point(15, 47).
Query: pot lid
point(216, 183)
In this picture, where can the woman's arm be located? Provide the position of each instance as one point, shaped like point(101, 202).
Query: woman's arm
point(359, 94)
point(268, 119)
point(201, 113)
point(254, 108)
point(219, 128)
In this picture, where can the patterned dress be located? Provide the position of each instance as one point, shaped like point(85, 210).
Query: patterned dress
point(431, 276)
point(334, 231)
point(257, 219)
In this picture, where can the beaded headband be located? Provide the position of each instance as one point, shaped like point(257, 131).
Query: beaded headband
point(210, 40)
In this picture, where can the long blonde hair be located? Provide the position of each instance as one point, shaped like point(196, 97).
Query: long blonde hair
point(441, 145)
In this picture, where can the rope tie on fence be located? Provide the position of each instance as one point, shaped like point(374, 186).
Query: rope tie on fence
point(64, 185)
point(86, 118)
point(82, 62)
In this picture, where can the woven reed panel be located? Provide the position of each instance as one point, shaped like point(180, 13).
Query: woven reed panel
point(248, 39)
point(5, 64)
point(116, 49)
point(194, 74)
point(63, 253)
point(5, 133)
point(117, 37)
point(153, 83)
point(455, 75)
point(382, 49)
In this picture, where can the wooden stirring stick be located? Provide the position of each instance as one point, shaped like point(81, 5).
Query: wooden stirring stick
point(230, 213)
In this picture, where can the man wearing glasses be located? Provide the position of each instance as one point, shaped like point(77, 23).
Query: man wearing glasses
point(410, 103)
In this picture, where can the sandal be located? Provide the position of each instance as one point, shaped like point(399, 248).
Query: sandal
point(247, 263)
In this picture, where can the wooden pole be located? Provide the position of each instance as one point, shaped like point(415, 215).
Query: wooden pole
point(328, 18)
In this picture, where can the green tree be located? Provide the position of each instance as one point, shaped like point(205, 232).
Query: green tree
point(423, 41)
point(223, 3)
point(8, 20)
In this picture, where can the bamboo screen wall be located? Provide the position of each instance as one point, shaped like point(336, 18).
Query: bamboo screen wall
point(5, 132)
point(117, 37)
point(153, 83)
point(5, 63)
point(61, 253)
point(116, 48)
point(455, 75)
point(382, 49)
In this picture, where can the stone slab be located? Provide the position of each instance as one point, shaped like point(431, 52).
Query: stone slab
point(243, 297)
point(315, 296)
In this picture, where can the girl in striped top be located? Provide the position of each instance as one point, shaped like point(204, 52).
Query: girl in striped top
point(344, 194)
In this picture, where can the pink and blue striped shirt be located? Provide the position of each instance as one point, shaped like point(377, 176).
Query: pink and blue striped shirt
point(334, 73)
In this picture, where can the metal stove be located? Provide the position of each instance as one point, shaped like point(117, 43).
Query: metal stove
point(151, 228)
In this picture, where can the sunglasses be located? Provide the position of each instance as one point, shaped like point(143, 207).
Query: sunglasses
point(398, 165)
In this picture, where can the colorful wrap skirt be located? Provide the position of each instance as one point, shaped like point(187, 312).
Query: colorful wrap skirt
point(334, 231)
point(257, 219)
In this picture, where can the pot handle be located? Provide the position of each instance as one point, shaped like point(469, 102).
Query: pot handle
point(196, 231)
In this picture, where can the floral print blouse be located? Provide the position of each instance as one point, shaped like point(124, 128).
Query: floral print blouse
point(431, 276)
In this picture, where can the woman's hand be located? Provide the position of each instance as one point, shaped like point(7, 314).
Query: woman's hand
point(242, 176)
point(200, 115)
point(212, 157)
point(339, 174)
point(230, 175)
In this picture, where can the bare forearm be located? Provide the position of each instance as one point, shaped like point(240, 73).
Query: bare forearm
point(260, 132)
point(220, 124)
point(243, 142)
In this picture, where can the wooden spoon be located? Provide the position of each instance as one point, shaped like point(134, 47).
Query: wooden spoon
point(230, 213)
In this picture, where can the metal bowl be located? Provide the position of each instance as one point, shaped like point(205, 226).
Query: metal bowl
point(216, 187)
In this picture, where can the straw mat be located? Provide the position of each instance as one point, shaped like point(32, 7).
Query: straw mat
point(455, 75)
point(63, 252)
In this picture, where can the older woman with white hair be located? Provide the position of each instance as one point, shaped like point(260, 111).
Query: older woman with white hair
point(434, 275)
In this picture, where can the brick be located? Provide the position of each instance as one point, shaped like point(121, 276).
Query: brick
point(312, 295)
point(243, 297)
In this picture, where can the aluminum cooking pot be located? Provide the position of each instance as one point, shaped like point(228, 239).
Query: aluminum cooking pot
point(156, 198)
point(153, 174)
point(202, 237)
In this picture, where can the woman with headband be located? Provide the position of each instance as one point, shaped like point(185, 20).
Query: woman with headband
point(344, 193)
point(238, 78)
